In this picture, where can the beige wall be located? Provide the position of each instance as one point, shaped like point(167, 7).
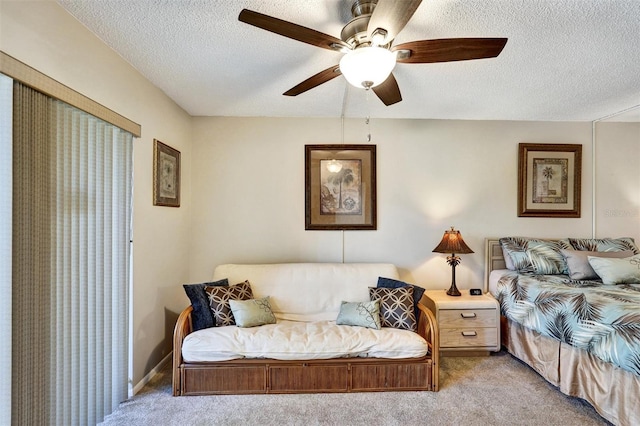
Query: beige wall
point(243, 181)
point(248, 192)
point(47, 38)
point(617, 166)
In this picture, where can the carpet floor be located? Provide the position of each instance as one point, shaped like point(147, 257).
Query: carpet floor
point(494, 390)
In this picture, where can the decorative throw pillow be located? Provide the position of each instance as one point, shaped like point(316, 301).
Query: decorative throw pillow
point(253, 312)
point(396, 307)
point(363, 314)
point(546, 258)
point(417, 291)
point(578, 262)
point(604, 244)
point(617, 271)
point(201, 316)
point(535, 255)
point(219, 301)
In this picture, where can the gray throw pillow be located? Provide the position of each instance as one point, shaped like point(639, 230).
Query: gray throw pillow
point(578, 262)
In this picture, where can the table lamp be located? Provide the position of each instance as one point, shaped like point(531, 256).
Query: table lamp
point(453, 243)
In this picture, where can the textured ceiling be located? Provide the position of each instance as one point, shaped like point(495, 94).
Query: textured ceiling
point(565, 59)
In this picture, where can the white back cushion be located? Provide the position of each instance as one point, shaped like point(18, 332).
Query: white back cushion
point(308, 291)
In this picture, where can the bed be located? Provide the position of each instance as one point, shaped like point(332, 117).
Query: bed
point(581, 335)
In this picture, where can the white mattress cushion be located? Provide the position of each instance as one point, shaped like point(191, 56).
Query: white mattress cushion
point(308, 291)
point(295, 340)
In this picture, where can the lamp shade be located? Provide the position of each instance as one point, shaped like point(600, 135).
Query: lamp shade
point(452, 242)
point(367, 66)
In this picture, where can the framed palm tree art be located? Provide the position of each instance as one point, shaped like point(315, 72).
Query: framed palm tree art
point(340, 187)
point(166, 175)
point(549, 180)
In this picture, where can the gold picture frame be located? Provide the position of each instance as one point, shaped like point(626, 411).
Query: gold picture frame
point(340, 187)
point(549, 180)
point(166, 175)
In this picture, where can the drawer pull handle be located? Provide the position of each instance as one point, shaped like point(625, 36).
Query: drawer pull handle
point(469, 333)
point(468, 314)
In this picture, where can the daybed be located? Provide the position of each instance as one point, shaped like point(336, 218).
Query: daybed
point(581, 335)
point(305, 350)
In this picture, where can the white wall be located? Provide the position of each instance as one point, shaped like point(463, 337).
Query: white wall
point(618, 184)
point(248, 192)
point(46, 37)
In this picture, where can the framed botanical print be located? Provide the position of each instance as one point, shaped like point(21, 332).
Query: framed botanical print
point(340, 187)
point(166, 175)
point(549, 180)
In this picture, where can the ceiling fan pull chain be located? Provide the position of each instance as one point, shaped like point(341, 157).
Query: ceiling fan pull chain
point(368, 119)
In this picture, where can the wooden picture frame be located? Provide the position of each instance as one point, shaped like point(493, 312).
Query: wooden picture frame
point(166, 175)
point(549, 180)
point(340, 187)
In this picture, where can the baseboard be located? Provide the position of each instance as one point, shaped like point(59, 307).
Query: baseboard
point(146, 379)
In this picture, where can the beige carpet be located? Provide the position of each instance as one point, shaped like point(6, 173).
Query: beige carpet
point(495, 390)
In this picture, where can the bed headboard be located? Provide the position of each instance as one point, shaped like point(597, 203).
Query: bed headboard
point(493, 260)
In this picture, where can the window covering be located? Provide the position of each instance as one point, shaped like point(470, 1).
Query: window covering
point(72, 181)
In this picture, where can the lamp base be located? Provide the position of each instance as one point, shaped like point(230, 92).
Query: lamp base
point(453, 290)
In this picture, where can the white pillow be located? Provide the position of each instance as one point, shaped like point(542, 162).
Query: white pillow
point(617, 271)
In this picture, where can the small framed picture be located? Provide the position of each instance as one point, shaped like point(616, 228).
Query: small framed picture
point(166, 175)
point(549, 180)
point(340, 187)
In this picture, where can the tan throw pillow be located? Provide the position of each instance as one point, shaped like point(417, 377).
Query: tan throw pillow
point(578, 262)
point(219, 301)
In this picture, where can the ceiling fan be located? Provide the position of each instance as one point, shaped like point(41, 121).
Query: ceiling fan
point(367, 44)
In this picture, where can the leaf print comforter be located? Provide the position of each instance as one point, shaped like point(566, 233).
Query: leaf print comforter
point(601, 319)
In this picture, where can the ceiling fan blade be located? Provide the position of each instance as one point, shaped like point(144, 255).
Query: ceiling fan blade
point(391, 16)
point(388, 91)
point(314, 80)
point(291, 30)
point(449, 49)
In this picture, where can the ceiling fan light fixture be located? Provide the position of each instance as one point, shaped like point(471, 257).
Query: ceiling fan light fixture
point(368, 66)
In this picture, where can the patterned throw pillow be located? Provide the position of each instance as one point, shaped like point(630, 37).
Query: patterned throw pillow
point(219, 301)
point(396, 307)
point(201, 316)
point(417, 291)
point(253, 312)
point(363, 314)
point(604, 244)
point(546, 258)
point(536, 255)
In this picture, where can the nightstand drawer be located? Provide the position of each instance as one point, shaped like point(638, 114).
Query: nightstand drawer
point(456, 318)
point(468, 337)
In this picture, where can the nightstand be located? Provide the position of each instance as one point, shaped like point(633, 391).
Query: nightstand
point(468, 325)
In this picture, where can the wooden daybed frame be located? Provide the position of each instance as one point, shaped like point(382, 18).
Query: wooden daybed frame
point(257, 376)
point(612, 391)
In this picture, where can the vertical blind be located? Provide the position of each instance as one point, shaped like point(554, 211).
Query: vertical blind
point(72, 184)
point(6, 106)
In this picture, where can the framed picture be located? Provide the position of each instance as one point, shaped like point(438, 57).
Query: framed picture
point(549, 180)
point(340, 187)
point(166, 175)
